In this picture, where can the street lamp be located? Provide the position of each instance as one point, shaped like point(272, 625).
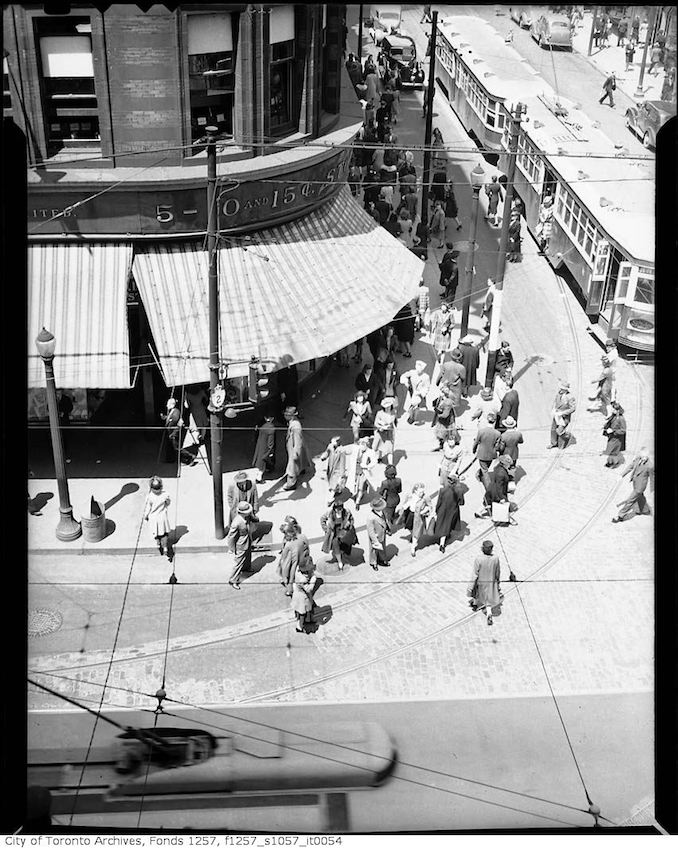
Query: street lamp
point(477, 180)
point(68, 530)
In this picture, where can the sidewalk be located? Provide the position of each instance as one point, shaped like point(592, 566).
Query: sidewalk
point(613, 58)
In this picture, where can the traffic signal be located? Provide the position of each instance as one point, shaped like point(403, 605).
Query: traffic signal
point(258, 382)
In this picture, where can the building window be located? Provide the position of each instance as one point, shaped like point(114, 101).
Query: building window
point(281, 73)
point(69, 98)
point(645, 286)
point(6, 91)
point(211, 73)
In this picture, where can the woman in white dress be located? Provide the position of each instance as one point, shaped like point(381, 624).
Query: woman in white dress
point(384, 430)
point(157, 513)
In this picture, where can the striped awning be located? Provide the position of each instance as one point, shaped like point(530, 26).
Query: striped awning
point(290, 293)
point(79, 293)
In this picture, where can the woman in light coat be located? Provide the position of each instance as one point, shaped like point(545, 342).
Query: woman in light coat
point(384, 430)
point(294, 555)
point(338, 526)
point(157, 514)
point(483, 590)
point(452, 457)
point(360, 411)
point(302, 599)
point(416, 514)
point(366, 463)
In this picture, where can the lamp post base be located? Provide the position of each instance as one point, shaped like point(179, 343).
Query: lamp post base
point(68, 529)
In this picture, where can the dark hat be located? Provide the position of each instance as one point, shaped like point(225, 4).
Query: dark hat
point(390, 471)
point(456, 354)
point(487, 546)
point(378, 503)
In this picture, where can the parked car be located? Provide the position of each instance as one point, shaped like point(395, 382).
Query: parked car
point(645, 119)
point(522, 15)
point(401, 54)
point(552, 31)
point(383, 21)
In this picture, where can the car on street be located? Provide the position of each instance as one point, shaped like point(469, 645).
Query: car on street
point(552, 31)
point(522, 15)
point(645, 119)
point(401, 54)
point(383, 21)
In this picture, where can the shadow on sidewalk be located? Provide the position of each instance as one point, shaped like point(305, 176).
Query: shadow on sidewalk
point(127, 489)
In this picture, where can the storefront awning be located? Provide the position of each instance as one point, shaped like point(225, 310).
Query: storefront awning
point(290, 293)
point(79, 293)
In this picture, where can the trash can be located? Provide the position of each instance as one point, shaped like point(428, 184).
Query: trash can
point(94, 524)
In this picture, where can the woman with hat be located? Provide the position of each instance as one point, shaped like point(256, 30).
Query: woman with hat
point(452, 458)
point(157, 514)
point(376, 533)
point(360, 410)
point(336, 463)
point(448, 515)
point(511, 437)
point(604, 381)
point(293, 555)
point(453, 373)
point(239, 543)
point(366, 461)
point(562, 410)
point(442, 324)
point(340, 536)
point(302, 599)
point(444, 417)
point(416, 514)
point(484, 590)
point(418, 384)
point(615, 430)
point(390, 490)
point(384, 430)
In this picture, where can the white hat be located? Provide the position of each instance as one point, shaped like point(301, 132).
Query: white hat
point(420, 365)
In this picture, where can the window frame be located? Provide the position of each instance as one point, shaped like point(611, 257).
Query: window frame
point(288, 61)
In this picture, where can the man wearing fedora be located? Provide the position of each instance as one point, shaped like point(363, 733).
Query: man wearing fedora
point(241, 489)
point(510, 404)
point(484, 590)
point(418, 384)
point(636, 504)
point(376, 533)
point(605, 383)
point(239, 542)
point(564, 406)
point(470, 359)
point(511, 437)
point(298, 458)
point(486, 442)
point(452, 373)
point(485, 403)
point(174, 435)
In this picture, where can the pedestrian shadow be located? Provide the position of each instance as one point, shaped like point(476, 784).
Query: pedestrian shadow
point(39, 501)
point(399, 454)
point(176, 534)
point(263, 528)
point(523, 368)
point(519, 474)
point(391, 551)
point(257, 564)
point(356, 557)
point(127, 489)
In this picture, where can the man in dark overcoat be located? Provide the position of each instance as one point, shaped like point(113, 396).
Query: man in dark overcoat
point(511, 437)
point(470, 359)
point(174, 434)
point(483, 590)
point(241, 489)
point(452, 373)
point(509, 405)
point(239, 543)
point(264, 449)
point(448, 515)
point(486, 442)
point(376, 533)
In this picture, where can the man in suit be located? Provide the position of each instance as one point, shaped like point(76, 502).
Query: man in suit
point(452, 373)
point(174, 434)
point(298, 458)
point(564, 406)
point(241, 490)
point(509, 405)
point(511, 437)
point(470, 359)
point(636, 504)
point(239, 543)
point(504, 360)
point(376, 533)
point(485, 443)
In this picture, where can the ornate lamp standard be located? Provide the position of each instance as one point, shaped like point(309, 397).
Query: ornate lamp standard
point(68, 530)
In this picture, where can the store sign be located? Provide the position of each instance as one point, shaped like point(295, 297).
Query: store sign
point(242, 204)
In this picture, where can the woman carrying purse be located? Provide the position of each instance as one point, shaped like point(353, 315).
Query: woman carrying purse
point(340, 536)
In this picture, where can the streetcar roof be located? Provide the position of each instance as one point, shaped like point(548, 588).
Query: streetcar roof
point(617, 191)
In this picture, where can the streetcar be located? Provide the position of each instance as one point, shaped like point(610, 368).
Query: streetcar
point(603, 201)
point(178, 766)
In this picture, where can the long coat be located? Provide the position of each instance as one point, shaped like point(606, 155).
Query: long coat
point(509, 406)
point(484, 584)
point(384, 432)
point(448, 516)
point(298, 458)
point(416, 516)
point(264, 449)
point(331, 526)
point(295, 554)
point(470, 359)
point(336, 464)
point(496, 488)
point(237, 492)
point(640, 470)
point(442, 324)
point(443, 408)
point(605, 381)
point(302, 593)
point(564, 406)
point(239, 542)
point(616, 440)
point(453, 373)
point(376, 534)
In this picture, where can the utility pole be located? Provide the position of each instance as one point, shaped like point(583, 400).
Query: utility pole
point(593, 27)
point(650, 29)
point(503, 244)
point(429, 130)
point(359, 52)
point(213, 306)
point(477, 179)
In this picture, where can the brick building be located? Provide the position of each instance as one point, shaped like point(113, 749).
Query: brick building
point(114, 102)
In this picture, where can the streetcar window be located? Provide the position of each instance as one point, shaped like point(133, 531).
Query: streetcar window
point(644, 290)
